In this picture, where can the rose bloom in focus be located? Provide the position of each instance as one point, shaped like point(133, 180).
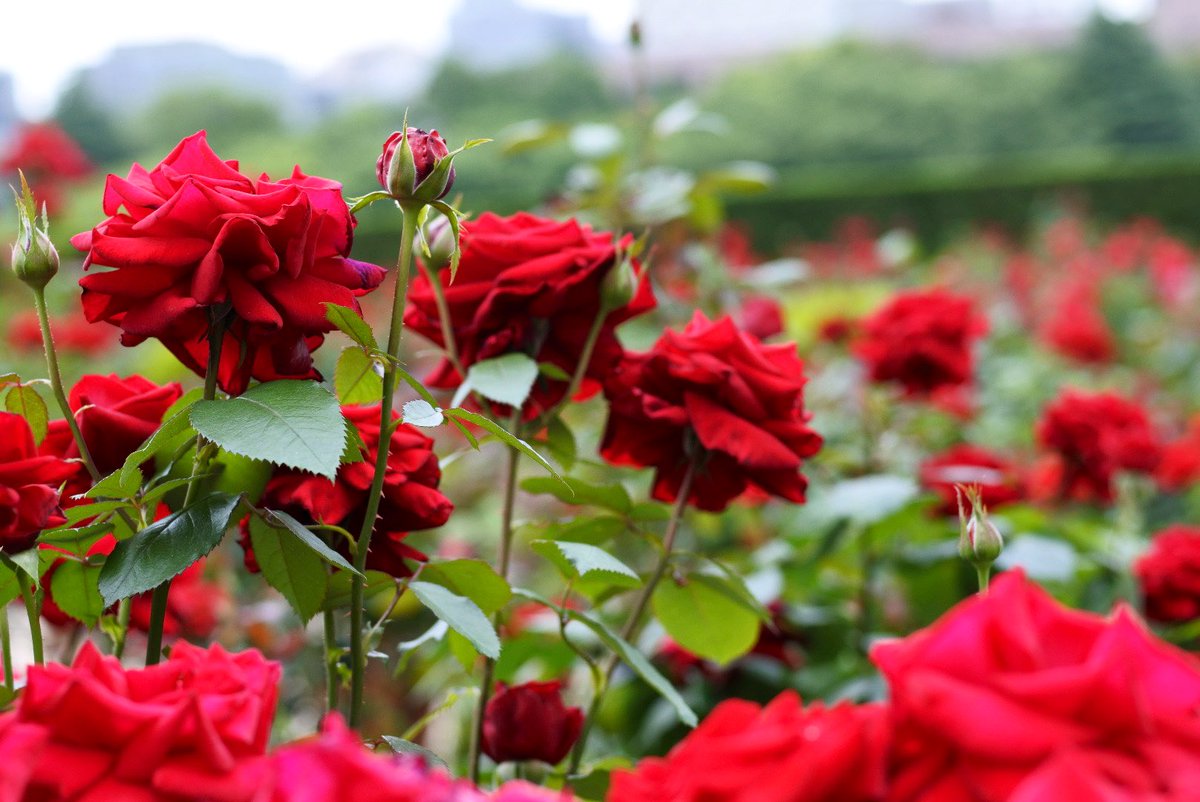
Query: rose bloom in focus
point(718, 396)
point(193, 243)
point(1169, 575)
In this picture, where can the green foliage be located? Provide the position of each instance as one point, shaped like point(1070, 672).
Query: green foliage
point(461, 614)
point(24, 400)
point(228, 116)
point(705, 617)
point(296, 572)
point(357, 379)
point(584, 561)
point(473, 579)
point(506, 379)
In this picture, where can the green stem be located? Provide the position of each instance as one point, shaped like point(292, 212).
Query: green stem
point(6, 649)
point(358, 582)
point(449, 344)
point(159, 600)
point(503, 559)
point(634, 622)
point(331, 650)
point(124, 608)
point(33, 608)
point(585, 358)
point(984, 572)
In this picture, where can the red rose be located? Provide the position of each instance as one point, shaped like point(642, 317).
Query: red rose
point(1077, 328)
point(778, 753)
point(964, 464)
point(29, 500)
point(527, 285)
point(428, 148)
point(921, 340)
point(1093, 436)
point(50, 159)
point(1169, 574)
point(1009, 690)
point(193, 236)
point(530, 722)
point(411, 499)
point(72, 333)
point(761, 316)
point(714, 388)
point(1180, 465)
point(108, 733)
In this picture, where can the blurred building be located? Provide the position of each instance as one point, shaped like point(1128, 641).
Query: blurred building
point(494, 34)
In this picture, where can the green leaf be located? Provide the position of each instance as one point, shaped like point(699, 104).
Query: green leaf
point(356, 378)
point(90, 510)
point(578, 492)
point(76, 590)
point(500, 432)
point(240, 475)
point(420, 412)
point(582, 559)
point(586, 529)
point(280, 519)
point(553, 371)
point(76, 541)
point(351, 324)
point(165, 548)
point(560, 441)
point(27, 562)
point(403, 747)
point(175, 426)
point(452, 217)
point(705, 620)
point(338, 595)
point(628, 654)
point(115, 486)
point(506, 379)
point(10, 588)
point(292, 423)
point(360, 203)
point(26, 402)
point(461, 614)
point(474, 579)
point(355, 447)
point(295, 572)
point(9, 378)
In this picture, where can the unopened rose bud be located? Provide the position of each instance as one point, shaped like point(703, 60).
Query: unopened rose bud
point(530, 722)
point(620, 284)
point(34, 259)
point(408, 167)
point(439, 236)
point(979, 541)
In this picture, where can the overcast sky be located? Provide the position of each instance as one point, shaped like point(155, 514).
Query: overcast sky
point(45, 42)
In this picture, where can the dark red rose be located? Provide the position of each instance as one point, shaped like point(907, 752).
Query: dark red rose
point(527, 285)
point(29, 486)
point(1169, 574)
point(530, 722)
point(1076, 327)
point(428, 148)
point(837, 330)
point(411, 499)
point(922, 340)
point(1093, 436)
point(779, 753)
point(1180, 465)
point(761, 316)
point(993, 700)
point(996, 477)
point(107, 733)
point(194, 237)
point(714, 389)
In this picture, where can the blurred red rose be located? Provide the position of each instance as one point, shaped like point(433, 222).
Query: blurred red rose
point(193, 237)
point(50, 160)
point(1180, 465)
point(1076, 327)
point(530, 722)
point(72, 333)
point(29, 483)
point(761, 316)
point(837, 330)
point(964, 464)
point(411, 499)
point(922, 340)
point(1169, 574)
point(716, 390)
point(1009, 689)
point(528, 285)
point(778, 753)
point(107, 733)
point(1092, 437)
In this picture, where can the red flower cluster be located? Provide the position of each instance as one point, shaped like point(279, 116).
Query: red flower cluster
point(1180, 465)
point(1009, 697)
point(527, 285)
point(1076, 327)
point(29, 482)
point(49, 158)
point(921, 340)
point(716, 395)
point(1169, 574)
point(1092, 437)
point(411, 499)
point(194, 239)
point(530, 722)
point(996, 477)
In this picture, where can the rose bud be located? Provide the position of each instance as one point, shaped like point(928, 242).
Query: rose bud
point(34, 259)
point(530, 722)
point(408, 168)
point(439, 237)
point(979, 541)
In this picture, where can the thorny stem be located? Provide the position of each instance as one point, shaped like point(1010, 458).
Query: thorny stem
point(33, 608)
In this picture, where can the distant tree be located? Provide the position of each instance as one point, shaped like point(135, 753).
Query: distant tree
point(227, 116)
point(96, 131)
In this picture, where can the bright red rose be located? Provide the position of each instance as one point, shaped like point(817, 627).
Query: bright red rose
point(530, 722)
point(964, 464)
point(411, 499)
point(527, 285)
point(1180, 465)
point(193, 238)
point(1169, 574)
point(718, 395)
point(1010, 689)
point(922, 340)
point(428, 148)
point(108, 733)
point(1093, 436)
point(1076, 327)
point(29, 483)
point(778, 753)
